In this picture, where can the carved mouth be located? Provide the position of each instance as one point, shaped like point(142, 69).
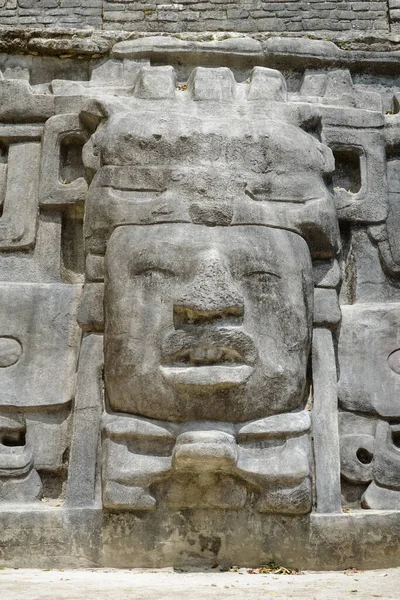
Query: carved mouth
point(221, 357)
point(216, 376)
point(206, 356)
point(200, 347)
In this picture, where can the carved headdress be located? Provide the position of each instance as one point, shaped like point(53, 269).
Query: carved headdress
point(213, 152)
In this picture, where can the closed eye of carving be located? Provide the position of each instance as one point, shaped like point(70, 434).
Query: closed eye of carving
point(261, 275)
point(154, 273)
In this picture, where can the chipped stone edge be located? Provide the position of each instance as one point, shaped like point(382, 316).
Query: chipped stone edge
point(322, 48)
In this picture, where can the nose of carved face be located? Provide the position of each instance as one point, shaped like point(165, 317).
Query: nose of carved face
point(211, 298)
point(206, 348)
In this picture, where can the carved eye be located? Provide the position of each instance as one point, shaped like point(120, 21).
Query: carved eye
point(261, 276)
point(154, 274)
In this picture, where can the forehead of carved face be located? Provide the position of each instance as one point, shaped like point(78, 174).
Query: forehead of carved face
point(206, 323)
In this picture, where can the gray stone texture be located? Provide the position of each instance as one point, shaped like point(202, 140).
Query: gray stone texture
point(199, 281)
point(209, 15)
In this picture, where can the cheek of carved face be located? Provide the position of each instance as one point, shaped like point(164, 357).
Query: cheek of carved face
point(206, 323)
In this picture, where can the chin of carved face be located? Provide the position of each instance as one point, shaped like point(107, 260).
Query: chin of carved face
point(206, 323)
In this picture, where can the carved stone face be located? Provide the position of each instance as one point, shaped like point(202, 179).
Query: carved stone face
point(206, 323)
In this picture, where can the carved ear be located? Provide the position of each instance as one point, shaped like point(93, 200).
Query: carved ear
point(311, 122)
point(328, 159)
point(93, 113)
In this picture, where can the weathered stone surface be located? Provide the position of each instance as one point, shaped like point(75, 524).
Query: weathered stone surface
point(325, 427)
point(18, 221)
point(192, 15)
point(19, 103)
point(367, 354)
point(41, 318)
point(206, 344)
point(231, 209)
point(83, 474)
point(62, 171)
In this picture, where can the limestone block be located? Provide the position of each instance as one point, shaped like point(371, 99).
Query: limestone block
point(295, 500)
point(156, 83)
point(62, 179)
point(303, 46)
point(217, 85)
point(19, 482)
point(157, 46)
point(20, 187)
point(325, 423)
point(286, 462)
point(386, 467)
point(276, 426)
point(370, 202)
point(108, 72)
point(357, 447)
point(18, 103)
point(128, 472)
point(90, 314)
point(338, 82)
point(83, 474)
point(326, 273)
point(267, 84)
point(369, 451)
point(48, 434)
point(393, 219)
point(20, 490)
point(326, 307)
point(94, 267)
point(108, 77)
point(336, 88)
point(368, 355)
point(41, 319)
point(313, 83)
point(118, 496)
point(381, 498)
point(206, 491)
point(206, 466)
point(204, 451)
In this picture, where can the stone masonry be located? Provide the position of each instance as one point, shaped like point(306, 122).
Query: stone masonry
point(199, 283)
point(199, 300)
point(249, 16)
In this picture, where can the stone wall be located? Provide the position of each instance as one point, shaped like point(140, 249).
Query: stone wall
point(250, 16)
point(200, 302)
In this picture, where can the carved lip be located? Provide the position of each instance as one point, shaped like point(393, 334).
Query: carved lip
point(207, 356)
point(224, 348)
point(216, 376)
point(15, 460)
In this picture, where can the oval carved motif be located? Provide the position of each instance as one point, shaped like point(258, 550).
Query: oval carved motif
point(394, 361)
point(10, 351)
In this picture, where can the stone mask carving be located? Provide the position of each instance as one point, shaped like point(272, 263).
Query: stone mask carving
point(206, 323)
point(175, 336)
point(208, 218)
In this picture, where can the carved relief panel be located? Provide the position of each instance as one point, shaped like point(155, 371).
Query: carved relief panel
point(201, 289)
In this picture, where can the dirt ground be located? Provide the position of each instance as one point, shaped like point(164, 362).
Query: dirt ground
point(138, 584)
